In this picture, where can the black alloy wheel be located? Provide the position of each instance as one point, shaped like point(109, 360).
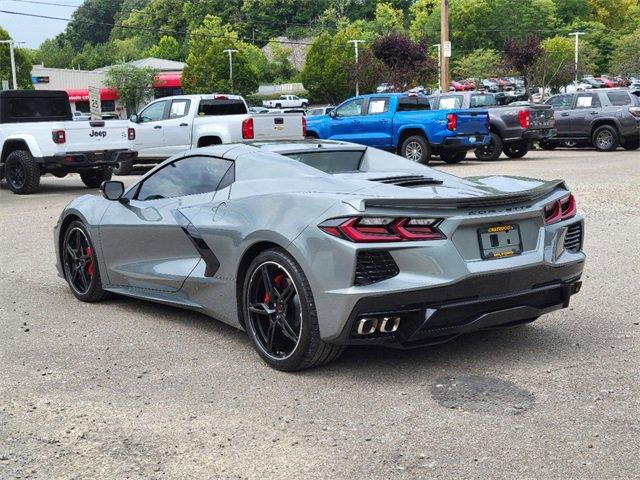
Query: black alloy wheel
point(491, 151)
point(516, 150)
point(22, 172)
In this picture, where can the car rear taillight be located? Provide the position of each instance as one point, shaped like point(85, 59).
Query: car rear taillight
point(524, 118)
point(383, 229)
point(131, 133)
point(304, 126)
point(560, 210)
point(58, 136)
point(635, 111)
point(247, 128)
point(452, 121)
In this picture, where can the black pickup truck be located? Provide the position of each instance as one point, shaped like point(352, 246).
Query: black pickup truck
point(512, 128)
point(604, 118)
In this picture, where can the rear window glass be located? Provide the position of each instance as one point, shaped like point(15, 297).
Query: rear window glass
point(413, 103)
point(447, 103)
point(619, 98)
point(332, 161)
point(38, 108)
point(221, 107)
point(479, 101)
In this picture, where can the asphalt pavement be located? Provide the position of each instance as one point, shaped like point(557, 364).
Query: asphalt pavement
point(128, 389)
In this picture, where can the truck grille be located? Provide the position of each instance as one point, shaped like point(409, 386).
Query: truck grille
point(573, 238)
point(374, 266)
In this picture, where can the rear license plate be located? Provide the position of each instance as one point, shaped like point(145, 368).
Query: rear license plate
point(500, 241)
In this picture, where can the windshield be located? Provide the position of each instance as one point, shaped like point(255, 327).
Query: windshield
point(331, 161)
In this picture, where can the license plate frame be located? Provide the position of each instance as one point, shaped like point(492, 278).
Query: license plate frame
point(499, 241)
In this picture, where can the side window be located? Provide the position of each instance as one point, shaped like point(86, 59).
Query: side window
point(619, 98)
point(351, 108)
point(186, 176)
point(179, 108)
point(560, 102)
point(153, 112)
point(588, 100)
point(378, 105)
point(447, 103)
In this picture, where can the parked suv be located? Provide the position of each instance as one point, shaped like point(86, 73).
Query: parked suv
point(605, 118)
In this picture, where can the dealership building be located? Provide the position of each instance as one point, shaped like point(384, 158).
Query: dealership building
point(77, 82)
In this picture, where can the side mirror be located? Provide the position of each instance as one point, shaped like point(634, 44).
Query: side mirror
point(112, 190)
point(133, 118)
point(332, 114)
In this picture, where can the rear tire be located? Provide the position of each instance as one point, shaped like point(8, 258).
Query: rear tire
point(22, 172)
point(94, 178)
point(516, 149)
point(490, 152)
point(278, 348)
point(453, 157)
point(304, 105)
point(417, 149)
point(124, 167)
point(605, 138)
point(547, 145)
point(631, 143)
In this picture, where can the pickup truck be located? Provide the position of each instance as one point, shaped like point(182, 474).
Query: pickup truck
point(38, 136)
point(404, 123)
point(286, 101)
point(512, 128)
point(170, 125)
point(604, 118)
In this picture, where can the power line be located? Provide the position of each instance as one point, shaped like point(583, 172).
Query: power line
point(47, 3)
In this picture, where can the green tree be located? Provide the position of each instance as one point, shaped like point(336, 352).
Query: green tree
point(478, 64)
point(134, 84)
point(280, 69)
point(603, 40)
point(569, 11)
point(91, 23)
point(626, 57)
point(612, 13)
point(23, 63)
point(208, 65)
point(555, 68)
point(387, 19)
point(168, 47)
point(55, 53)
point(156, 19)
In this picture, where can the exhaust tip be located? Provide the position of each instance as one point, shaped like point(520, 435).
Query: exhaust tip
point(389, 324)
point(367, 326)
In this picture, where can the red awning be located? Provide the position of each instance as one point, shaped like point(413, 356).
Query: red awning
point(82, 94)
point(168, 80)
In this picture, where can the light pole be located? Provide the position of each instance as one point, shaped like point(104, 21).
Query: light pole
point(13, 61)
point(437, 46)
point(355, 46)
point(575, 64)
point(230, 51)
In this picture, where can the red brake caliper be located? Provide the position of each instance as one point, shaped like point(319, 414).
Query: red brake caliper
point(278, 281)
point(89, 265)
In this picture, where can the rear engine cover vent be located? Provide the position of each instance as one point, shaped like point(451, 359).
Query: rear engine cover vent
point(374, 266)
point(573, 238)
point(408, 180)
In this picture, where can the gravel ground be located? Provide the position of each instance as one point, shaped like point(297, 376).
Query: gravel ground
point(127, 389)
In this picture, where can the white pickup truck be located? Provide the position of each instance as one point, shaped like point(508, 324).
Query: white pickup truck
point(287, 101)
point(171, 125)
point(38, 136)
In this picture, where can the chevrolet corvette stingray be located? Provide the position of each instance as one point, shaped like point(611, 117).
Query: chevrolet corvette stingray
point(314, 245)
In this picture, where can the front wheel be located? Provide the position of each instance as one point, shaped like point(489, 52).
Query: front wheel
point(22, 172)
point(453, 157)
point(416, 148)
point(605, 138)
point(491, 151)
point(305, 105)
point(516, 149)
point(94, 178)
point(280, 316)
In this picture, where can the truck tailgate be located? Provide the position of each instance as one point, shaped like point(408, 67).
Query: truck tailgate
point(278, 126)
point(96, 136)
point(471, 122)
point(542, 116)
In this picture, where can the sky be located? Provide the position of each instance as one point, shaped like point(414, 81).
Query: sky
point(32, 30)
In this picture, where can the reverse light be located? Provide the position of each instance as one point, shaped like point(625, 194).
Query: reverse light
point(524, 118)
point(383, 229)
point(247, 128)
point(58, 136)
point(560, 210)
point(452, 121)
point(131, 133)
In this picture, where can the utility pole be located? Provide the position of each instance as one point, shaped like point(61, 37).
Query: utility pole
point(13, 62)
point(355, 46)
point(230, 51)
point(437, 46)
point(446, 45)
point(575, 64)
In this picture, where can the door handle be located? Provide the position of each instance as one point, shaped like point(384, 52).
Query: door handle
point(565, 114)
point(593, 113)
point(384, 120)
point(184, 124)
point(158, 127)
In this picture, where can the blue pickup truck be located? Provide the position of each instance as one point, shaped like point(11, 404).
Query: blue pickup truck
point(404, 123)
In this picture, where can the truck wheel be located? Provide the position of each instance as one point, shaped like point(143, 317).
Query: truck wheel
point(516, 149)
point(631, 144)
point(491, 151)
point(124, 167)
point(547, 145)
point(416, 148)
point(453, 157)
point(22, 172)
point(94, 178)
point(304, 105)
point(605, 138)
point(278, 105)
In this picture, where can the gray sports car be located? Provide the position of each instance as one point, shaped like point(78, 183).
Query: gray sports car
point(315, 245)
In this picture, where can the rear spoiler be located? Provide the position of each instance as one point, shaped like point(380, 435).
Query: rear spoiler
point(464, 202)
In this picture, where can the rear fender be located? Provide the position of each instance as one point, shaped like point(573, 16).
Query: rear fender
point(29, 140)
